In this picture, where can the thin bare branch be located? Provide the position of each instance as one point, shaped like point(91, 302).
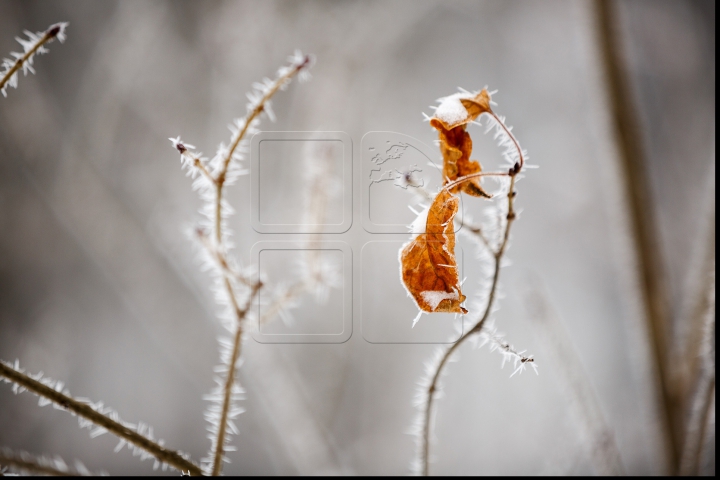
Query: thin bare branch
point(39, 465)
point(259, 108)
point(628, 138)
point(219, 253)
point(230, 380)
point(32, 46)
point(76, 407)
point(432, 388)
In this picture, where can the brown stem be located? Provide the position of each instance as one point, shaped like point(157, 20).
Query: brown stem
point(33, 466)
point(521, 157)
point(652, 276)
point(219, 252)
point(200, 165)
point(49, 35)
point(476, 329)
point(230, 380)
point(220, 180)
point(464, 179)
point(700, 400)
point(163, 454)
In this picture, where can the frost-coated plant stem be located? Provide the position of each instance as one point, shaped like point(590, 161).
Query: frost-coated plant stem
point(83, 410)
point(220, 180)
point(430, 394)
point(35, 45)
point(238, 288)
point(228, 387)
point(26, 463)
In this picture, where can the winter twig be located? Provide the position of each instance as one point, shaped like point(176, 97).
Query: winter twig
point(35, 44)
point(477, 328)
point(81, 409)
point(40, 465)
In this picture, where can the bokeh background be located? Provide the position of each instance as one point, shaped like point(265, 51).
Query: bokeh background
point(100, 286)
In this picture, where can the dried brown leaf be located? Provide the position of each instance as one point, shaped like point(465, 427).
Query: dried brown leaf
point(456, 145)
point(427, 263)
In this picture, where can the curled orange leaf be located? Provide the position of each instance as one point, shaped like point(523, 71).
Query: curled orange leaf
point(450, 120)
point(427, 263)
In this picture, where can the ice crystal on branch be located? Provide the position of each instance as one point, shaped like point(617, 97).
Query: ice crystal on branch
point(34, 44)
point(490, 336)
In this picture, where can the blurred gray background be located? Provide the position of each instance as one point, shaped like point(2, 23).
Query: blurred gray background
point(100, 286)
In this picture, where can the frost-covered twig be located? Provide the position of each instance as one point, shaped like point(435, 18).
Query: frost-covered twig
point(477, 328)
point(490, 336)
point(516, 156)
point(229, 389)
point(236, 288)
point(104, 419)
point(34, 44)
point(283, 299)
point(24, 462)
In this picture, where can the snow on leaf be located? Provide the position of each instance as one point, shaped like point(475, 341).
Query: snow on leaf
point(450, 119)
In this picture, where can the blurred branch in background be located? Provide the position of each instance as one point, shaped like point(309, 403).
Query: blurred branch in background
point(41, 465)
point(596, 434)
point(633, 159)
point(700, 401)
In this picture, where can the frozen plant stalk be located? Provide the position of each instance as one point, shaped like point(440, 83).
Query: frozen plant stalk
point(34, 44)
point(428, 266)
point(236, 288)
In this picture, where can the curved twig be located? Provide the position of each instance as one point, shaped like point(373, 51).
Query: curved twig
point(425, 453)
